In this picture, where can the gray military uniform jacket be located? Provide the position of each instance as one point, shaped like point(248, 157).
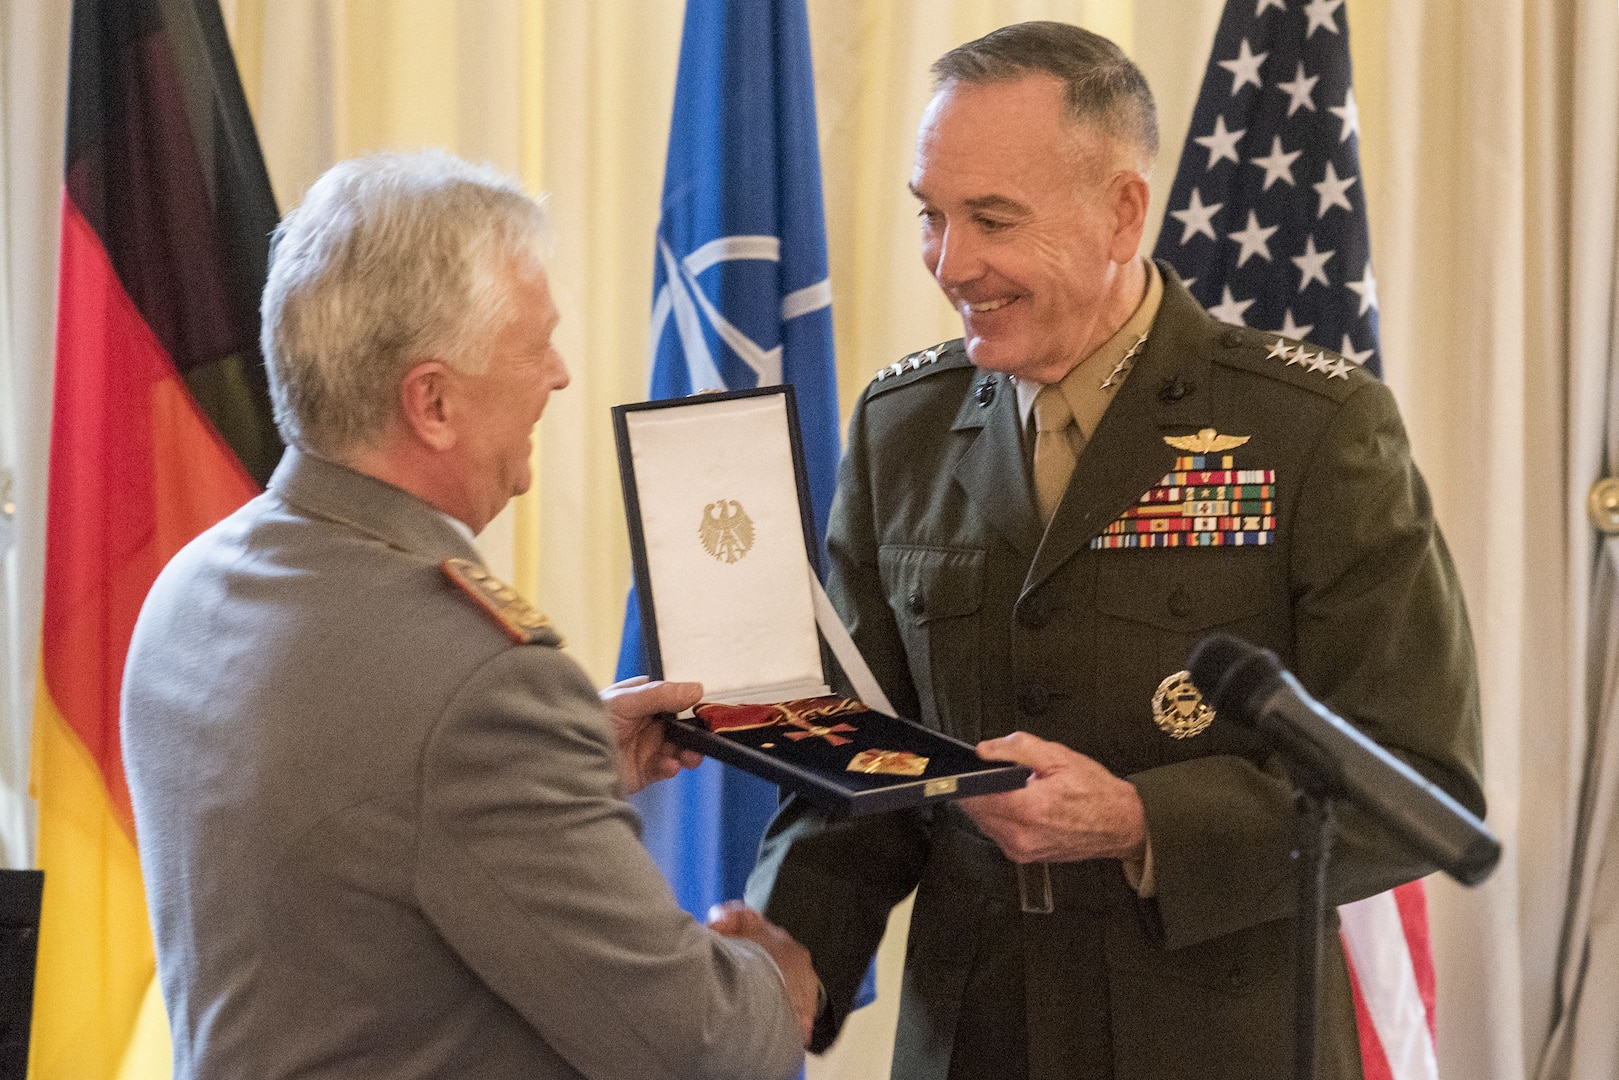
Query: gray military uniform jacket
point(979, 623)
point(383, 840)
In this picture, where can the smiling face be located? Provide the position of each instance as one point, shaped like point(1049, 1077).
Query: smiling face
point(1028, 223)
point(499, 407)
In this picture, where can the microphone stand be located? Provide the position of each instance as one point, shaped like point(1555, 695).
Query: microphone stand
point(1326, 759)
point(1312, 800)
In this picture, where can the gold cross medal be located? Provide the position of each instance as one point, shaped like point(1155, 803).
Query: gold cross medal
point(803, 715)
point(1178, 709)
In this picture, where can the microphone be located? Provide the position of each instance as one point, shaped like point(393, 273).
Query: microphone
point(1248, 685)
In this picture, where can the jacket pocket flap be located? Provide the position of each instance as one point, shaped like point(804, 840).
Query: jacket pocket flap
point(1184, 591)
point(925, 583)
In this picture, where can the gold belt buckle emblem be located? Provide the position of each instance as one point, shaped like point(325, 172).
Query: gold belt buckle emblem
point(1178, 709)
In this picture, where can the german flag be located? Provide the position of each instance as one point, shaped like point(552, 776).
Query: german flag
point(161, 426)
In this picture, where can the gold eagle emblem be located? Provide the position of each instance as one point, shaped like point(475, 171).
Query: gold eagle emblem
point(726, 530)
point(1207, 441)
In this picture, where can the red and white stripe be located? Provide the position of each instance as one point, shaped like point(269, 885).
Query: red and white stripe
point(1391, 968)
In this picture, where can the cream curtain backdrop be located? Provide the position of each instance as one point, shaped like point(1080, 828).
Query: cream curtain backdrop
point(1469, 114)
point(1583, 1044)
point(33, 110)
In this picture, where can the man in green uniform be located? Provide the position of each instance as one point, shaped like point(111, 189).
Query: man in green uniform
point(1034, 526)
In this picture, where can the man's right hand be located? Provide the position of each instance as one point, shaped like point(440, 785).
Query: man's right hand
point(735, 919)
point(645, 754)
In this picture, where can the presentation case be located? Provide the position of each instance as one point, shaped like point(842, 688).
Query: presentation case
point(725, 570)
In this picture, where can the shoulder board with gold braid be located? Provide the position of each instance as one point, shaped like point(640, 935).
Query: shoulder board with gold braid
point(522, 623)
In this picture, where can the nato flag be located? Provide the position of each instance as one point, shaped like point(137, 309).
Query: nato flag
point(741, 299)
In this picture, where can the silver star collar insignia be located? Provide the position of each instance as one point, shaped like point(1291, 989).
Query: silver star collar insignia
point(1124, 364)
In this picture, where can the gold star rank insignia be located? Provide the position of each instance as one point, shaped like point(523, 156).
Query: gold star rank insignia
point(1178, 709)
point(522, 623)
point(1207, 441)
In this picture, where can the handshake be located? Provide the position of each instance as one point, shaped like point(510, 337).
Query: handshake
point(646, 756)
point(803, 988)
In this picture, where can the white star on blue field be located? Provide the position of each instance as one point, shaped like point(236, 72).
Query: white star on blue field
point(1267, 216)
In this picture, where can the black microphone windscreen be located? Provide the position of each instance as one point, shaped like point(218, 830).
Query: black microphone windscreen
point(1228, 672)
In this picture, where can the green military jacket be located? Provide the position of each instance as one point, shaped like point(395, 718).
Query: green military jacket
point(978, 623)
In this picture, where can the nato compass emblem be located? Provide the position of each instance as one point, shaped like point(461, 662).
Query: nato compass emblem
point(733, 267)
point(726, 531)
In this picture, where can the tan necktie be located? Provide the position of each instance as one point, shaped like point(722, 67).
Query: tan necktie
point(1054, 449)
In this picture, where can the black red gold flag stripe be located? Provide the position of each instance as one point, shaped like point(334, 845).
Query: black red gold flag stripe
point(161, 426)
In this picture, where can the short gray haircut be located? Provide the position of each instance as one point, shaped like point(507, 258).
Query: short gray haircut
point(388, 260)
point(1101, 85)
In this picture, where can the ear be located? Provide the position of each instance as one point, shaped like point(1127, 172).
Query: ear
point(1130, 198)
point(424, 406)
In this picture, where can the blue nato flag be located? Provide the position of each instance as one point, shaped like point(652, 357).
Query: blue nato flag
point(740, 298)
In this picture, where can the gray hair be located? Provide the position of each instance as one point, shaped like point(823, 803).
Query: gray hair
point(388, 260)
point(1101, 85)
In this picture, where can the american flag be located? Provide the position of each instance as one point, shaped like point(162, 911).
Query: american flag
point(1267, 225)
point(1267, 219)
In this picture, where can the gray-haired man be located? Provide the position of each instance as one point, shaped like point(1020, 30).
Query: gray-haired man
point(381, 816)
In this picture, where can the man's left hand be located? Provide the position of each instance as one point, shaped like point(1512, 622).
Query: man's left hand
point(645, 754)
point(1071, 809)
